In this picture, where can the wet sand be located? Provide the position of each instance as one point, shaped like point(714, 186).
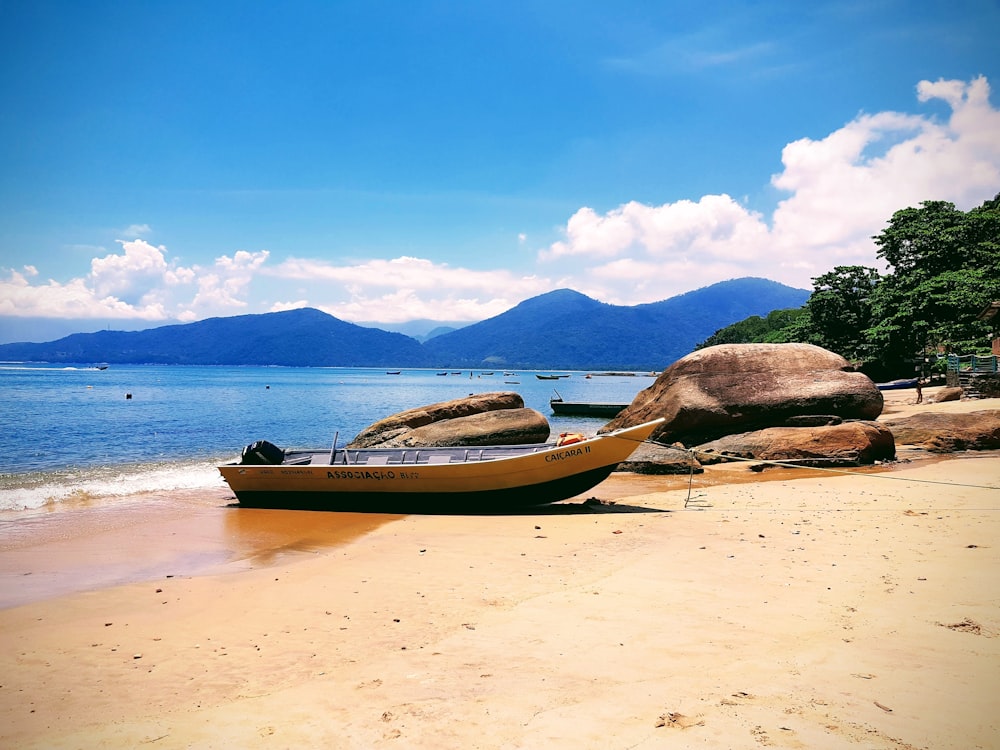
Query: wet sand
point(792, 608)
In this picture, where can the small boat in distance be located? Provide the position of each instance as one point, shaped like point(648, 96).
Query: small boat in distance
point(392, 372)
point(895, 385)
point(466, 479)
point(585, 408)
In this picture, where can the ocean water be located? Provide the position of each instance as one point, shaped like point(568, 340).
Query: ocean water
point(71, 433)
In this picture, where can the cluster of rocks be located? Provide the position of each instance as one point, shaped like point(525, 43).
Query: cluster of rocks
point(479, 419)
point(768, 402)
point(777, 402)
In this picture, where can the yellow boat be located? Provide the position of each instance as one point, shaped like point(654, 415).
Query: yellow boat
point(413, 480)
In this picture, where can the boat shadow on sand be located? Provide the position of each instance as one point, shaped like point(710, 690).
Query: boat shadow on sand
point(590, 506)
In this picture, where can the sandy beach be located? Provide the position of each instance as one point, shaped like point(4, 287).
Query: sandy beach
point(786, 609)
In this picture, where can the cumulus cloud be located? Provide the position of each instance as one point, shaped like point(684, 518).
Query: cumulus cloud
point(140, 283)
point(130, 273)
point(408, 288)
point(225, 286)
point(842, 189)
point(838, 191)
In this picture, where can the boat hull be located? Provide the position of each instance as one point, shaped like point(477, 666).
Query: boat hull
point(897, 385)
point(374, 482)
point(476, 501)
point(586, 409)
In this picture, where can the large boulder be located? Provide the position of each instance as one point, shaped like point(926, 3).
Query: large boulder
point(733, 388)
point(940, 432)
point(500, 427)
point(855, 442)
point(403, 422)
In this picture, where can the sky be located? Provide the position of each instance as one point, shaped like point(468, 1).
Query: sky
point(170, 161)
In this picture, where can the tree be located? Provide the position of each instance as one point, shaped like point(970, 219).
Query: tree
point(756, 329)
point(945, 268)
point(840, 310)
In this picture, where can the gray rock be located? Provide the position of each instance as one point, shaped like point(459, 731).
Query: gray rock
point(856, 442)
point(735, 388)
point(396, 426)
point(500, 427)
point(946, 433)
point(652, 458)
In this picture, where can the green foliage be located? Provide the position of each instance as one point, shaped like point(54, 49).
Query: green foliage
point(755, 329)
point(840, 310)
point(944, 268)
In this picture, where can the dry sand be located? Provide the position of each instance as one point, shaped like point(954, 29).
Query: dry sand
point(799, 609)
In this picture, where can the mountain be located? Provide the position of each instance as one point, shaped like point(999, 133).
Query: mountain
point(297, 338)
point(562, 330)
point(421, 330)
point(568, 330)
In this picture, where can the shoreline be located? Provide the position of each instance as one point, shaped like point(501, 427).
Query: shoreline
point(785, 611)
point(86, 544)
point(91, 545)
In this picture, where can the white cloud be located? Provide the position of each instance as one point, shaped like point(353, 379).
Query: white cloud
point(225, 287)
point(840, 191)
point(74, 299)
point(128, 274)
point(843, 189)
point(408, 288)
point(842, 194)
point(138, 283)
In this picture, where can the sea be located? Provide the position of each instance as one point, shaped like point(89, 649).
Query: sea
point(82, 432)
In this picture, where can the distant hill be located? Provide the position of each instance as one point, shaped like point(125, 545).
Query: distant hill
point(559, 330)
point(421, 330)
point(296, 338)
point(568, 330)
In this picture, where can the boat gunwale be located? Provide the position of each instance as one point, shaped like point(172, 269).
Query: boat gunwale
point(521, 451)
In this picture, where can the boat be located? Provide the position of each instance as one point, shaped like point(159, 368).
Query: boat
point(895, 385)
point(547, 377)
point(392, 372)
point(465, 479)
point(585, 408)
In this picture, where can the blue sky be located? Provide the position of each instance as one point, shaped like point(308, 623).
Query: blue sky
point(388, 161)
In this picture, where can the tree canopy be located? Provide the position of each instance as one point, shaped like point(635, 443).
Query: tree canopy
point(943, 269)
